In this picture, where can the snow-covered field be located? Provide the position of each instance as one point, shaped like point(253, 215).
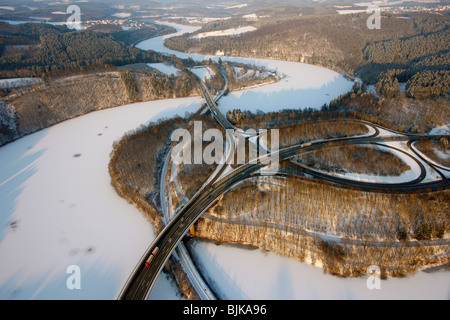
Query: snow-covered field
point(199, 20)
point(122, 15)
point(303, 86)
point(251, 17)
point(58, 208)
point(164, 68)
point(222, 33)
point(407, 176)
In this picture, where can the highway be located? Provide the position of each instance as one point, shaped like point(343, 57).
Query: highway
point(144, 278)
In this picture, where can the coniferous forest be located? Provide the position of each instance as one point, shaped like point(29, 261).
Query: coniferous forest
point(48, 48)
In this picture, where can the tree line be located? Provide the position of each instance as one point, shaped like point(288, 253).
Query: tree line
point(422, 61)
point(64, 49)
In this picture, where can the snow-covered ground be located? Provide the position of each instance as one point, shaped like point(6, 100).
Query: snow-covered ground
point(203, 72)
point(199, 20)
point(242, 74)
point(431, 176)
point(164, 68)
point(407, 176)
point(222, 33)
point(165, 289)
point(303, 86)
point(390, 3)
point(443, 155)
point(243, 274)
point(351, 11)
point(238, 6)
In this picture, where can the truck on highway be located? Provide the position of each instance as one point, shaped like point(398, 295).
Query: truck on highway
point(152, 256)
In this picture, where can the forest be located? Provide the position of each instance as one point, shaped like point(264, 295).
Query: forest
point(356, 159)
point(401, 113)
point(413, 50)
point(437, 150)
